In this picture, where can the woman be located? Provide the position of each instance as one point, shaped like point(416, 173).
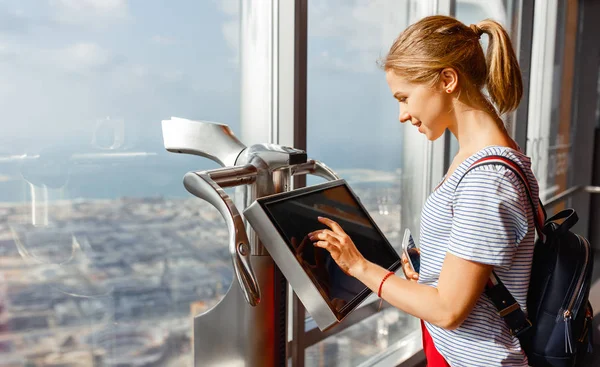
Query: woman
point(437, 71)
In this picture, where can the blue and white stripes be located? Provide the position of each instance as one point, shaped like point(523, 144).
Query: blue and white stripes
point(488, 219)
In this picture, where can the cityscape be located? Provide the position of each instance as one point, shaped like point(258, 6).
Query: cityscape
point(117, 282)
point(113, 269)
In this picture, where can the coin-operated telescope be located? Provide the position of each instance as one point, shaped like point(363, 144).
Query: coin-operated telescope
point(248, 326)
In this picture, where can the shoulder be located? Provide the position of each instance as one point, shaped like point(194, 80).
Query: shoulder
point(493, 177)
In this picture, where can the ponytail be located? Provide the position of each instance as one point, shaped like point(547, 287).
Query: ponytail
point(503, 82)
point(425, 48)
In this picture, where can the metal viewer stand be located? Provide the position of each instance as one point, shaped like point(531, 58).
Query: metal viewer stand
point(248, 326)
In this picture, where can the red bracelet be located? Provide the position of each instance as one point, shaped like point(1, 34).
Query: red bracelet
point(383, 280)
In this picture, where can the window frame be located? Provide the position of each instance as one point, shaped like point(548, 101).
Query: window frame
point(290, 129)
point(298, 337)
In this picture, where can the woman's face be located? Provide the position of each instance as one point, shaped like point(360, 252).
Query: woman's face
point(428, 108)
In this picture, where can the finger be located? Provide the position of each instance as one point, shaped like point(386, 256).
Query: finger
point(326, 235)
point(331, 224)
point(409, 273)
point(412, 276)
point(332, 233)
point(319, 231)
point(332, 248)
point(323, 244)
point(408, 268)
point(314, 233)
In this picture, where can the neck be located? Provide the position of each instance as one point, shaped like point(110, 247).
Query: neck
point(478, 126)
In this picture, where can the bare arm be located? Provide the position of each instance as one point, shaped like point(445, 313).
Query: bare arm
point(460, 285)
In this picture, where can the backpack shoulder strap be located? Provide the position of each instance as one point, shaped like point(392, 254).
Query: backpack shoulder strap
point(540, 214)
point(508, 308)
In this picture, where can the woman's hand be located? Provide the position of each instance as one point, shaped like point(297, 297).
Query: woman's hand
point(340, 246)
point(409, 273)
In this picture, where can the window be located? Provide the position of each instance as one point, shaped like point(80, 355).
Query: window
point(104, 257)
point(361, 343)
point(352, 118)
point(472, 12)
point(551, 128)
point(353, 127)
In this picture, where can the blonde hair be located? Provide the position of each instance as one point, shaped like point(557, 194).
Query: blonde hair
point(437, 42)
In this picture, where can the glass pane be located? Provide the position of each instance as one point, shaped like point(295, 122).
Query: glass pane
point(473, 12)
point(352, 119)
point(549, 138)
point(359, 342)
point(104, 257)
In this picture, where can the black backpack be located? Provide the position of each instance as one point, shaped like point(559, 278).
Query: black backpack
point(557, 331)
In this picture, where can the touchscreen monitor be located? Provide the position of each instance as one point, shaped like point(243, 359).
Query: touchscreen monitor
point(293, 215)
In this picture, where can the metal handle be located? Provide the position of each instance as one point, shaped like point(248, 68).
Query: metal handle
point(316, 168)
point(217, 140)
point(203, 186)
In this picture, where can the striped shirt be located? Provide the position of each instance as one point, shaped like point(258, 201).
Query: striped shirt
point(487, 219)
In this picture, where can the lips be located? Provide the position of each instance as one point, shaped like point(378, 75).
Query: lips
point(418, 125)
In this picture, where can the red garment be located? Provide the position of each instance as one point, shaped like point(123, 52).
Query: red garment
point(434, 358)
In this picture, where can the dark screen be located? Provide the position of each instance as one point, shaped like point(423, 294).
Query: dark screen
point(297, 216)
point(413, 255)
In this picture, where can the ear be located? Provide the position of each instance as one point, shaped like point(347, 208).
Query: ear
point(448, 80)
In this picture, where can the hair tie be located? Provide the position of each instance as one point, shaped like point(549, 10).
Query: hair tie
point(478, 31)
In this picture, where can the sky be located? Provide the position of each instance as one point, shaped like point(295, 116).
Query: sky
point(68, 63)
point(97, 76)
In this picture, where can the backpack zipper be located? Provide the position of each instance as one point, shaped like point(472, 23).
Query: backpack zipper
point(568, 312)
point(586, 323)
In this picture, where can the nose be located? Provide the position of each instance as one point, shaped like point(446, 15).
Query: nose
point(404, 116)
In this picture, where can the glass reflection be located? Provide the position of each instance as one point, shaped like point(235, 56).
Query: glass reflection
point(352, 126)
point(104, 257)
point(368, 338)
point(549, 140)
